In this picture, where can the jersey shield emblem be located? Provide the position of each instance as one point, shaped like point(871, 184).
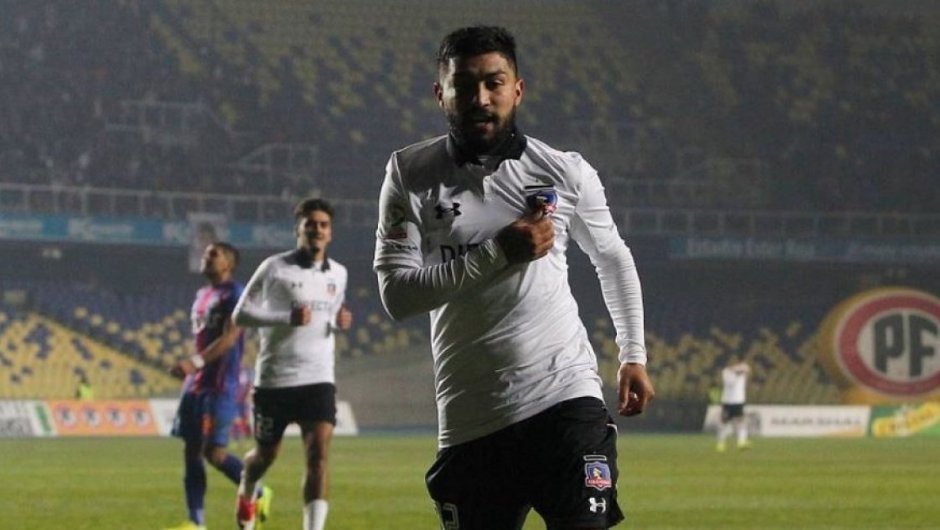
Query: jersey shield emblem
point(597, 476)
point(541, 199)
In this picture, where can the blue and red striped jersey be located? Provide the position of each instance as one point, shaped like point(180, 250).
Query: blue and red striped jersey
point(211, 309)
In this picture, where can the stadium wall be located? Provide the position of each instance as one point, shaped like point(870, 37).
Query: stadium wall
point(916, 419)
point(153, 417)
point(66, 418)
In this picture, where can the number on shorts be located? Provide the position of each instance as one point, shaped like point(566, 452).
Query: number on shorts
point(448, 515)
point(263, 427)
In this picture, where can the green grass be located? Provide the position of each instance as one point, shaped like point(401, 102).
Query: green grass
point(667, 481)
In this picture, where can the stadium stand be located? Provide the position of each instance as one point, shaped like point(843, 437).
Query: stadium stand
point(738, 105)
point(149, 331)
point(152, 328)
point(40, 358)
point(783, 354)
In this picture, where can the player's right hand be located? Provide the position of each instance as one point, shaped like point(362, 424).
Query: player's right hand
point(344, 318)
point(182, 368)
point(635, 389)
point(300, 315)
point(528, 238)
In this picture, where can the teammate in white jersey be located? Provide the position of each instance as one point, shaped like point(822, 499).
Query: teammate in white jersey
point(473, 228)
point(295, 299)
point(733, 398)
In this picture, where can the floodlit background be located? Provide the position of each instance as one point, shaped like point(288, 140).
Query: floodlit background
point(770, 164)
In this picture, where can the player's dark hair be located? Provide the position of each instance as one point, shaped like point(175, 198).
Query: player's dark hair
point(306, 206)
point(477, 40)
point(230, 251)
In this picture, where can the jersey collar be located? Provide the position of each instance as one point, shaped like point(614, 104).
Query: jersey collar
point(512, 147)
point(299, 260)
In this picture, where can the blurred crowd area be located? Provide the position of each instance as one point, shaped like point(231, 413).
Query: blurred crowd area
point(123, 342)
point(122, 326)
point(820, 106)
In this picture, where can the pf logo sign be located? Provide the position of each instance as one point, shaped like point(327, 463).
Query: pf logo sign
point(883, 346)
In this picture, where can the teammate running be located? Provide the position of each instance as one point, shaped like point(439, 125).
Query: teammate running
point(295, 299)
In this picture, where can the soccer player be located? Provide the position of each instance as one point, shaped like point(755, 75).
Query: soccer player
point(473, 228)
point(208, 405)
point(733, 397)
point(295, 299)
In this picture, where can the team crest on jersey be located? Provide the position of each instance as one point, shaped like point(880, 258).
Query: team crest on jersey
point(597, 475)
point(542, 199)
point(331, 288)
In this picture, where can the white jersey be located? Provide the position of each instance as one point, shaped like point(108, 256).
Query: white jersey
point(293, 355)
point(507, 341)
point(734, 385)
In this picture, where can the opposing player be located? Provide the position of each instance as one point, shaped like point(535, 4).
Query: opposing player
point(473, 228)
point(208, 405)
point(295, 299)
point(733, 398)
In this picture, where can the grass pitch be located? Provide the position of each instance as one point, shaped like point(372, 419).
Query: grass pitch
point(667, 482)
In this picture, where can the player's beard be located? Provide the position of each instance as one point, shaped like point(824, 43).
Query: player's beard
point(306, 254)
point(313, 244)
point(463, 127)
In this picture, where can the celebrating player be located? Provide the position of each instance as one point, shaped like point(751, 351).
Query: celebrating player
point(208, 405)
point(473, 227)
point(295, 299)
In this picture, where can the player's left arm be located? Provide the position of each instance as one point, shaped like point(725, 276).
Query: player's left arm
point(216, 349)
point(593, 229)
point(407, 286)
point(223, 344)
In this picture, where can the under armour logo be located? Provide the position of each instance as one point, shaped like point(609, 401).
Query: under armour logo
point(441, 211)
point(598, 505)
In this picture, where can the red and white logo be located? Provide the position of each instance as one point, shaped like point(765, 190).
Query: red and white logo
point(888, 341)
point(597, 475)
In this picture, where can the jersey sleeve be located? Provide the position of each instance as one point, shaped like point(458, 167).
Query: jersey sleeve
point(593, 229)
point(408, 287)
point(251, 310)
point(340, 295)
point(397, 237)
point(232, 300)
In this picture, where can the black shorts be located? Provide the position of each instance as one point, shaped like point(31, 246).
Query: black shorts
point(276, 408)
point(730, 412)
point(561, 462)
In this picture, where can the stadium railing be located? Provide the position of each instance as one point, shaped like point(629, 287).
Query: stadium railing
point(42, 199)
point(85, 201)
